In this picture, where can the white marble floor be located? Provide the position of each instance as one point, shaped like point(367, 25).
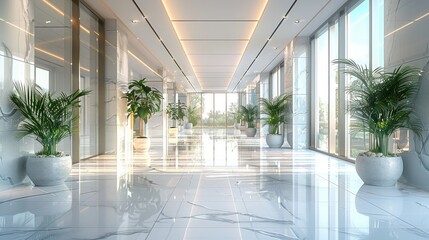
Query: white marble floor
point(214, 185)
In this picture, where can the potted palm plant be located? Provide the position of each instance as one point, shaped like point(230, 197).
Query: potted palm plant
point(250, 113)
point(381, 103)
point(142, 102)
point(192, 116)
point(176, 112)
point(275, 115)
point(238, 116)
point(49, 119)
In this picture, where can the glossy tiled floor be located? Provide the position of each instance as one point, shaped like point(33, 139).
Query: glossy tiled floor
point(214, 185)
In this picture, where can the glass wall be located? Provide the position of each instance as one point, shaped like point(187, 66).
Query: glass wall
point(357, 49)
point(352, 33)
point(232, 107)
point(194, 100)
point(218, 109)
point(207, 110)
point(53, 50)
point(322, 89)
point(276, 80)
point(89, 81)
point(53, 58)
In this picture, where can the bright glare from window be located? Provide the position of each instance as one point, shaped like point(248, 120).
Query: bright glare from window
point(42, 78)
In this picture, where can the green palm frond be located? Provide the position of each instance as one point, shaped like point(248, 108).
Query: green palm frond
point(192, 115)
point(47, 117)
point(381, 102)
point(275, 111)
point(250, 112)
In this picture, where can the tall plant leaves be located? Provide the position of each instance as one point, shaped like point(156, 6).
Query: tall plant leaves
point(381, 102)
point(47, 117)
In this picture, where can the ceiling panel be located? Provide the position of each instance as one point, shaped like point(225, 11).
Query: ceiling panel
point(215, 10)
point(214, 47)
point(214, 74)
point(227, 30)
point(214, 79)
point(199, 69)
point(222, 60)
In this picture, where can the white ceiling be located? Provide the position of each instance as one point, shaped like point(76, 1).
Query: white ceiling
point(212, 44)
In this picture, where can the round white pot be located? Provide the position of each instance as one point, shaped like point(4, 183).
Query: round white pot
point(141, 144)
point(250, 132)
point(48, 171)
point(237, 125)
point(379, 171)
point(242, 128)
point(275, 140)
point(189, 125)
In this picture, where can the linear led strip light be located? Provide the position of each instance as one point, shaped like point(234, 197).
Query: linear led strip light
point(58, 57)
point(251, 31)
point(407, 24)
point(62, 14)
point(144, 64)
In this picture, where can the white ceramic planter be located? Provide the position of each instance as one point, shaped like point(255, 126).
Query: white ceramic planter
point(275, 140)
point(379, 171)
point(48, 171)
point(189, 125)
point(250, 132)
point(242, 128)
point(141, 144)
point(237, 125)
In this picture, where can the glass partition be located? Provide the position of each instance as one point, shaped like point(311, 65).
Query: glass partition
point(89, 81)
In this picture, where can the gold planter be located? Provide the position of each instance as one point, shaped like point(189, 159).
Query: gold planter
point(141, 144)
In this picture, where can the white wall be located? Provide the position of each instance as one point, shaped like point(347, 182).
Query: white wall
point(407, 42)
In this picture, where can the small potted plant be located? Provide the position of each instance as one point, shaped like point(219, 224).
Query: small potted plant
point(49, 119)
point(142, 102)
point(176, 112)
point(250, 113)
point(238, 116)
point(275, 116)
point(381, 103)
point(192, 116)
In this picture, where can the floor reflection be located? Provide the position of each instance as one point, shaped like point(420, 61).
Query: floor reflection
point(214, 184)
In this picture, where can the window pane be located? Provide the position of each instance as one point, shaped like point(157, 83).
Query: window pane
point(333, 89)
point(274, 84)
point(208, 111)
point(220, 111)
point(42, 78)
point(358, 50)
point(322, 90)
point(232, 106)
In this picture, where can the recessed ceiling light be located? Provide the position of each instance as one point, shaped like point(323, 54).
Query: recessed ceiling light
point(134, 21)
point(275, 48)
point(48, 21)
point(297, 21)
